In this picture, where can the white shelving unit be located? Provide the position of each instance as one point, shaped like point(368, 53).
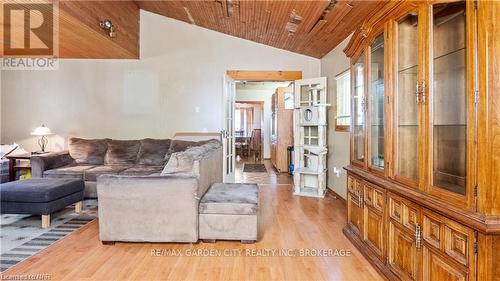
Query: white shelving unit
point(310, 125)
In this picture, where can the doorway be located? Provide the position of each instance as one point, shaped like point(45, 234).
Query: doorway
point(248, 128)
point(245, 140)
point(260, 96)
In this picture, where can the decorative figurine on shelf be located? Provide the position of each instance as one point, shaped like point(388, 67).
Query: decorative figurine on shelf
point(42, 131)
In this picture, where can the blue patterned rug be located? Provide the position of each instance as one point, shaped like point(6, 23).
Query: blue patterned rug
point(21, 236)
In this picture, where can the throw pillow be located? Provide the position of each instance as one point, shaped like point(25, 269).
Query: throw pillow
point(181, 163)
point(187, 162)
point(182, 145)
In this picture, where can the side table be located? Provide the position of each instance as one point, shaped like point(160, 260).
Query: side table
point(13, 167)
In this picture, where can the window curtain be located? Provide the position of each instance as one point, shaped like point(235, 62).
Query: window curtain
point(249, 119)
point(244, 121)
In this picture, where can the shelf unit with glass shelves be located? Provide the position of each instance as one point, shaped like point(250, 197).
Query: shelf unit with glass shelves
point(421, 184)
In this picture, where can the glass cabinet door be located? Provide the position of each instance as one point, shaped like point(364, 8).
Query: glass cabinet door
point(406, 117)
point(449, 104)
point(376, 103)
point(358, 111)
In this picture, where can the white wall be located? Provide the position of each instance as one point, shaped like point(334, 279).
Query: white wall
point(180, 70)
point(333, 64)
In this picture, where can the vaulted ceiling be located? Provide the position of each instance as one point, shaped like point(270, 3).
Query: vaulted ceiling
point(311, 28)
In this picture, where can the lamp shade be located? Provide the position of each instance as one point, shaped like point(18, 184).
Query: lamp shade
point(41, 131)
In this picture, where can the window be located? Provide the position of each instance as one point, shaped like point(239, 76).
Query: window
point(343, 102)
point(243, 121)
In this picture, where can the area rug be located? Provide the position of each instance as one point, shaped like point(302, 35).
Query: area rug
point(254, 168)
point(21, 236)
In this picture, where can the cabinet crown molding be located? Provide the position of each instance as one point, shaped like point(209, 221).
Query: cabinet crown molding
point(370, 28)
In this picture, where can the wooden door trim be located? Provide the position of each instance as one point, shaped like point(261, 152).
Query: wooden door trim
point(463, 201)
point(388, 97)
point(265, 75)
point(364, 109)
point(368, 113)
point(393, 109)
point(424, 111)
point(250, 102)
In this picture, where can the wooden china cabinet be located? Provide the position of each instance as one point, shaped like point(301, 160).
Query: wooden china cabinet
point(424, 179)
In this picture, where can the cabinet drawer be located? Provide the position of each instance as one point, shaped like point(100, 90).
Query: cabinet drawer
point(450, 237)
point(374, 197)
point(432, 230)
point(350, 184)
point(403, 212)
point(354, 185)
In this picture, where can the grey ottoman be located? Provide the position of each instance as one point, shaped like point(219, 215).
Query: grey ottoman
point(229, 211)
point(40, 196)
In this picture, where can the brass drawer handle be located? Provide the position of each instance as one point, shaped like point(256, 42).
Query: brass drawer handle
point(417, 93)
point(418, 237)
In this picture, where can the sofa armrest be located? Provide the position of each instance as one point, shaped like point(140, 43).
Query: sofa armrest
point(148, 208)
point(43, 162)
point(210, 170)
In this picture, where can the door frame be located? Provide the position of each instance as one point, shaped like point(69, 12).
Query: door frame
point(254, 76)
point(264, 75)
point(260, 104)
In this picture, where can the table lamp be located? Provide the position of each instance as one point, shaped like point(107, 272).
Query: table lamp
point(42, 131)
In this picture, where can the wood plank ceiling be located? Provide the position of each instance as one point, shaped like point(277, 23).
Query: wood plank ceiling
point(311, 28)
point(79, 34)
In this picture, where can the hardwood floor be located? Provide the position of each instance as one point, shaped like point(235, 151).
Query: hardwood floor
point(286, 222)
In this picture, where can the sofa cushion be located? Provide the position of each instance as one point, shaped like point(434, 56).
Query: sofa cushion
point(141, 170)
point(88, 151)
point(122, 152)
point(182, 145)
point(230, 199)
point(73, 171)
point(39, 190)
point(154, 152)
point(92, 174)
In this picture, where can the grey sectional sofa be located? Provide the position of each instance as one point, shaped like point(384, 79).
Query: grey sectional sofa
point(148, 190)
point(157, 208)
point(88, 159)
